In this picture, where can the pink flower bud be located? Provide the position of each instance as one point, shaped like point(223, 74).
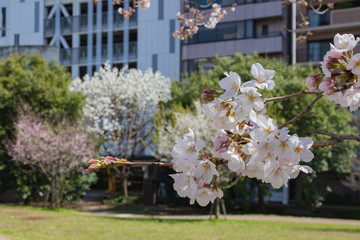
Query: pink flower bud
point(91, 161)
point(313, 81)
point(208, 95)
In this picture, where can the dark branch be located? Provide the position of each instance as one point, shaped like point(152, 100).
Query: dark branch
point(303, 113)
point(303, 92)
point(335, 139)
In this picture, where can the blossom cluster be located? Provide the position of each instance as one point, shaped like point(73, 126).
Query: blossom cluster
point(215, 16)
point(194, 18)
point(144, 4)
point(250, 143)
point(339, 79)
point(107, 161)
point(196, 171)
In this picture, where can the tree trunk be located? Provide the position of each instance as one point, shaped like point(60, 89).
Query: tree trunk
point(52, 190)
point(124, 182)
point(47, 194)
point(124, 186)
point(261, 207)
point(217, 208)
point(57, 191)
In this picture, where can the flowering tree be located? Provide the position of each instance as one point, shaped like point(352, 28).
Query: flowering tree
point(250, 143)
point(119, 108)
point(56, 149)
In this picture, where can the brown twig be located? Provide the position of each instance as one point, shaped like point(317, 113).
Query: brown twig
point(129, 164)
point(336, 138)
point(303, 92)
point(300, 115)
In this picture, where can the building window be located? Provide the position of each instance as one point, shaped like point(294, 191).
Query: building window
point(161, 10)
point(17, 40)
point(249, 28)
point(265, 30)
point(317, 50)
point(154, 61)
point(316, 19)
point(206, 35)
point(3, 22)
point(172, 39)
point(230, 31)
point(37, 17)
point(226, 31)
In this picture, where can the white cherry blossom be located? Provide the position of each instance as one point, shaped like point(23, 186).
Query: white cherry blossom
point(266, 129)
point(250, 99)
point(231, 85)
point(344, 42)
point(354, 64)
point(262, 77)
point(206, 170)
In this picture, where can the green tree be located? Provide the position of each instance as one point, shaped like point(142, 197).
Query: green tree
point(30, 79)
point(325, 116)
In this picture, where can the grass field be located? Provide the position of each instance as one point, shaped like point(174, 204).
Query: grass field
point(34, 223)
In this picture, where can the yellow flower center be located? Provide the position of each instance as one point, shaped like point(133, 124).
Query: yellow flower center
point(191, 149)
point(214, 107)
point(269, 130)
point(234, 86)
point(251, 98)
point(298, 149)
point(283, 145)
point(357, 64)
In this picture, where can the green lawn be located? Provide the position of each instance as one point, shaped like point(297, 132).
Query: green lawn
point(33, 223)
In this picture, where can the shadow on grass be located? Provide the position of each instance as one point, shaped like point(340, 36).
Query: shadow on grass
point(133, 208)
point(161, 220)
point(330, 229)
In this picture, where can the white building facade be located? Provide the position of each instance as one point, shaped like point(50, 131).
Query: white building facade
point(87, 35)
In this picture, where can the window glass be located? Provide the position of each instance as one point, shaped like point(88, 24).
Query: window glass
point(240, 29)
point(249, 28)
point(226, 31)
point(206, 35)
point(316, 19)
point(265, 30)
point(317, 50)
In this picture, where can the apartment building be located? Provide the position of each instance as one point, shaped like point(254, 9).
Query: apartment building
point(344, 18)
point(87, 34)
point(254, 26)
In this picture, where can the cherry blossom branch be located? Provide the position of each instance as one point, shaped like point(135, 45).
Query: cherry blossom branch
point(303, 113)
point(335, 138)
point(281, 98)
point(109, 161)
point(305, 92)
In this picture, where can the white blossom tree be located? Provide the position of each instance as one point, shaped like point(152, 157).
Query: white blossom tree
point(119, 107)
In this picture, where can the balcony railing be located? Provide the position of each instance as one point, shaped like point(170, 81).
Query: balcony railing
point(218, 35)
point(79, 55)
point(73, 24)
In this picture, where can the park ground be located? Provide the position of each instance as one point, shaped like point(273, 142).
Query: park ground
point(36, 223)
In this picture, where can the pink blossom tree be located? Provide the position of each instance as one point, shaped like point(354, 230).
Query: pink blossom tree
point(55, 148)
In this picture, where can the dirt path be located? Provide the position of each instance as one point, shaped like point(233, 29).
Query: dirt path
point(234, 217)
point(4, 238)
